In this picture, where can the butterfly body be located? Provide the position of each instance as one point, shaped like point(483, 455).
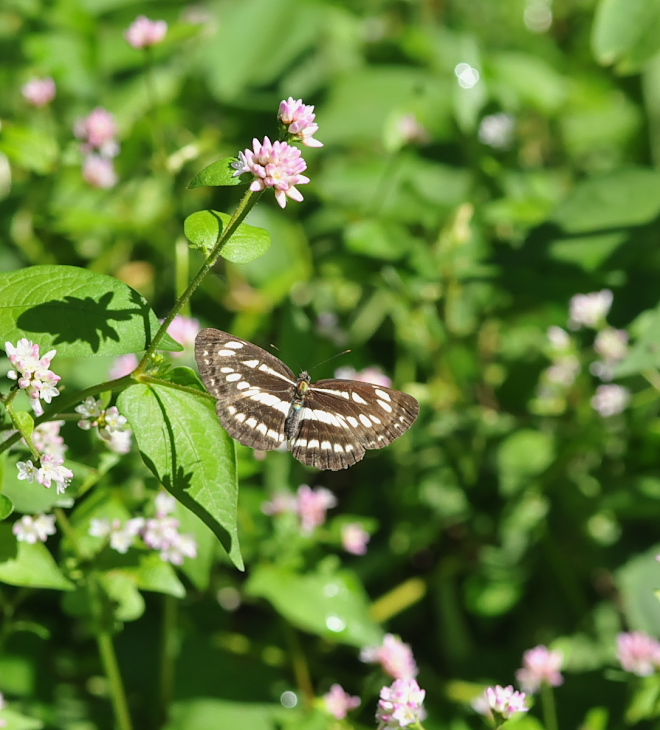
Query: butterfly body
point(328, 424)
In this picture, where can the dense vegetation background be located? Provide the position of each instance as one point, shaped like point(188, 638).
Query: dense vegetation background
point(452, 214)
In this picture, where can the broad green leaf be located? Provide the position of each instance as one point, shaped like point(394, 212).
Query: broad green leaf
point(618, 199)
point(523, 455)
point(217, 173)
point(15, 721)
point(6, 507)
point(332, 604)
point(635, 581)
point(127, 601)
point(645, 352)
point(247, 243)
point(76, 311)
point(626, 33)
point(30, 566)
point(206, 713)
point(33, 149)
point(182, 443)
point(381, 240)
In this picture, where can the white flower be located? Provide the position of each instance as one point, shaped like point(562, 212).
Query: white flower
point(32, 529)
point(610, 400)
point(589, 310)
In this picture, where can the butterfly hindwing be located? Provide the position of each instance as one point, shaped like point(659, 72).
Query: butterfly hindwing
point(343, 418)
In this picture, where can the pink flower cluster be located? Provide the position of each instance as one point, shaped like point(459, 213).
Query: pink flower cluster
point(311, 505)
point(299, 118)
point(400, 705)
point(354, 538)
point(274, 165)
point(32, 529)
point(370, 374)
point(144, 33)
point(52, 469)
point(638, 653)
point(338, 702)
point(394, 656)
point(500, 703)
point(540, 666)
point(32, 372)
point(39, 92)
point(159, 533)
point(98, 131)
point(184, 330)
point(112, 426)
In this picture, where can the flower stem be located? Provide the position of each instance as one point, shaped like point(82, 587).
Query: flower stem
point(549, 708)
point(97, 598)
point(244, 207)
point(66, 400)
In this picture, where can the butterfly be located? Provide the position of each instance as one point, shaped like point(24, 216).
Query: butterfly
point(328, 424)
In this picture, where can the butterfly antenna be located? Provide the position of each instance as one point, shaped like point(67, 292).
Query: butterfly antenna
point(275, 347)
point(339, 354)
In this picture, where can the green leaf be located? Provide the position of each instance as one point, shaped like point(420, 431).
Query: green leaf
point(523, 455)
point(645, 353)
point(623, 198)
point(6, 507)
point(77, 311)
point(626, 33)
point(182, 443)
point(31, 566)
point(379, 239)
point(33, 149)
point(329, 603)
point(217, 173)
point(247, 243)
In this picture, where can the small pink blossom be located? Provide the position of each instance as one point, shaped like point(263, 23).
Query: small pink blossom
point(312, 506)
point(98, 131)
point(589, 310)
point(51, 470)
point(400, 705)
point(184, 330)
point(121, 535)
point(112, 427)
point(500, 703)
point(299, 120)
point(496, 130)
point(39, 92)
point(370, 374)
point(394, 656)
point(144, 32)
point(354, 538)
point(47, 439)
point(275, 165)
point(34, 529)
point(281, 503)
point(540, 666)
point(99, 172)
point(638, 653)
point(123, 365)
point(32, 372)
point(165, 504)
point(610, 400)
point(183, 546)
point(339, 703)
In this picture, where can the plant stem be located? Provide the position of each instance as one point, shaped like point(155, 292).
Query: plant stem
point(118, 695)
point(549, 708)
point(244, 207)
point(67, 400)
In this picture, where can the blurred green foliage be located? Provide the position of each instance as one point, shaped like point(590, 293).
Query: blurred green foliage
point(428, 247)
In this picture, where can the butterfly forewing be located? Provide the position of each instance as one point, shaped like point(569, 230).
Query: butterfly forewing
point(253, 388)
point(330, 424)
